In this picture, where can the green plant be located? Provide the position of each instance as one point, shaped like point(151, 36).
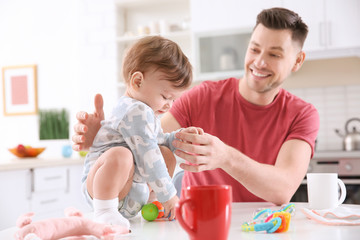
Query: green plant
point(53, 124)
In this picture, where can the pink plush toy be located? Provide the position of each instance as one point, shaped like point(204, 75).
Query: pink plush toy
point(74, 226)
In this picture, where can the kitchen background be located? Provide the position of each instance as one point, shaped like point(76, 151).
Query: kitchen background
point(78, 45)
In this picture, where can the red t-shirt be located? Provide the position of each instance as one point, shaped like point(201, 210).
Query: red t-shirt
point(256, 131)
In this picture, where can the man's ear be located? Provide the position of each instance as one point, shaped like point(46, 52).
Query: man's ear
point(136, 80)
point(300, 58)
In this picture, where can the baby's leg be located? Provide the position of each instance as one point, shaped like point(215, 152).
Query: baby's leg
point(108, 181)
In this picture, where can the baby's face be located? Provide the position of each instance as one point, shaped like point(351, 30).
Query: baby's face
point(157, 92)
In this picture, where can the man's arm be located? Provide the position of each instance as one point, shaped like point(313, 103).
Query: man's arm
point(275, 183)
point(169, 123)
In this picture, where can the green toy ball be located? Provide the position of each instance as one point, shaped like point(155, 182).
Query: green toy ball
point(149, 212)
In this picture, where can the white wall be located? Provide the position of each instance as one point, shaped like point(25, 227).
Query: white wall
point(72, 42)
point(333, 87)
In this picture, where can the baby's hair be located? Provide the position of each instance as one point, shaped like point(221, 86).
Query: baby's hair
point(161, 54)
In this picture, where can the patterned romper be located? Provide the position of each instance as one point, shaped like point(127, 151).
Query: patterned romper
point(134, 125)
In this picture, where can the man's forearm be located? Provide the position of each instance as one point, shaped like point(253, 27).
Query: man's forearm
point(271, 183)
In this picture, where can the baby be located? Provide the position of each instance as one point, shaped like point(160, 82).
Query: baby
point(125, 158)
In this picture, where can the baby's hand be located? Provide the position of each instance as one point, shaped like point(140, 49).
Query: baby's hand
point(194, 130)
point(169, 207)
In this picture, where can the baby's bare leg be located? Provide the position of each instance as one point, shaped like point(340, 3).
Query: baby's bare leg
point(111, 176)
point(109, 180)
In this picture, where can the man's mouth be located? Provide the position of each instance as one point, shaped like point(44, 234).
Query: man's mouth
point(259, 74)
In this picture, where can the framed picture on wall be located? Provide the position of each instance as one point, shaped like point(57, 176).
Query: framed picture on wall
point(20, 90)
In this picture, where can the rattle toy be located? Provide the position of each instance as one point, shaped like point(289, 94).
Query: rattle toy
point(270, 220)
point(74, 225)
point(152, 211)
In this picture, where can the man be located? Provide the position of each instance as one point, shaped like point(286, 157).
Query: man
point(258, 137)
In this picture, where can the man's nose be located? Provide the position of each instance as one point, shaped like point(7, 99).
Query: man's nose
point(260, 61)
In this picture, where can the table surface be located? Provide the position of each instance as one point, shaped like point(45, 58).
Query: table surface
point(300, 227)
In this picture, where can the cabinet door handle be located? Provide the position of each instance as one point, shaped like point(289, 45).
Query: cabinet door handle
point(49, 201)
point(52, 178)
point(30, 188)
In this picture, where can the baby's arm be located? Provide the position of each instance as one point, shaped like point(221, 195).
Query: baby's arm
point(167, 138)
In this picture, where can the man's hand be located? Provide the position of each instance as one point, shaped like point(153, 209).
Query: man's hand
point(169, 207)
point(88, 125)
point(203, 152)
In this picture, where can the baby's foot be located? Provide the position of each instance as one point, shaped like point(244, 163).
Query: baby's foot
point(112, 218)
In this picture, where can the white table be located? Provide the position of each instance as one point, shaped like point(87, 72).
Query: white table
point(300, 227)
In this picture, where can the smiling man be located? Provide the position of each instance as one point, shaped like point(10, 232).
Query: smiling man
point(258, 138)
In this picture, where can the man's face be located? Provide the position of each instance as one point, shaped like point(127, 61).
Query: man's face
point(270, 58)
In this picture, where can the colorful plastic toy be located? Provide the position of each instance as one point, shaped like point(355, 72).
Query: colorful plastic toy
point(270, 220)
point(160, 208)
point(264, 213)
point(150, 212)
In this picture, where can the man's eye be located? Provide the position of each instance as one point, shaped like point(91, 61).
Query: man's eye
point(164, 97)
point(274, 55)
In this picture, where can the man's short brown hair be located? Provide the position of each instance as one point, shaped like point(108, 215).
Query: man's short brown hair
point(161, 54)
point(282, 18)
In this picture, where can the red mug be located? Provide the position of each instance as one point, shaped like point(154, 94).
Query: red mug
point(204, 212)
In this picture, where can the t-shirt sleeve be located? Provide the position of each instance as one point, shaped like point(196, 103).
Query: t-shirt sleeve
point(306, 126)
point(140, 129)
point(184, 107)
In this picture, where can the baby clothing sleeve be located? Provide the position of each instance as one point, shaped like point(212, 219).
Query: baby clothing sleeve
point(140, 129)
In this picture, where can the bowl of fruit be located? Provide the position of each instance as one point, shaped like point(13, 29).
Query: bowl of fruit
point(22, 151)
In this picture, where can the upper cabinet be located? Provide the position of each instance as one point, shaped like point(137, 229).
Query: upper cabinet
point(215, 15)
point(221, 31)
point(334, 26)
point(214, 34)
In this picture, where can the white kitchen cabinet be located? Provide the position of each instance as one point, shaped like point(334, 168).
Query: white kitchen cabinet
point(139, 18)
point(222, 30)
point(333, 25)
point(15, 190)
point(220, 54)
point(46, 191)
point(215, 15)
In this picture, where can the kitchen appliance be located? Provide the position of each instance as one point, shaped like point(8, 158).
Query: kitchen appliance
point(345, 164)
point(351, 139)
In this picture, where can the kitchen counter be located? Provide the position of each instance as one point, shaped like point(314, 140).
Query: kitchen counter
point(336, 154)
point(27, 163)
point(300, 227)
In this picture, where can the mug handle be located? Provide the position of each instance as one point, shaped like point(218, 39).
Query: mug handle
point(178, 213)
point(343, 191)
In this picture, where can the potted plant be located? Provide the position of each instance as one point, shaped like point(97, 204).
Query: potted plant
point(54, 125)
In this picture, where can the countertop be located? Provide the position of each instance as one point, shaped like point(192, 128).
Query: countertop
point(14, 163)
point(300, 227)
point(336, 154)
point(27, 163)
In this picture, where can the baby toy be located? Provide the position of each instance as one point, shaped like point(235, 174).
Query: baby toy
point(152, 211)
point(270, 220)
point(74, 225)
